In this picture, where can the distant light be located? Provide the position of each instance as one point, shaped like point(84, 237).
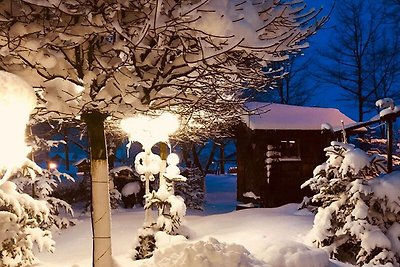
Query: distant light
point(52, 165)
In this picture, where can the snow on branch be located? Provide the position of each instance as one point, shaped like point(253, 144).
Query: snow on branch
point(127, 57)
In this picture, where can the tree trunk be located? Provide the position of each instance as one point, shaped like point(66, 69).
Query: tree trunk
point(210, 158)
point(101, 211)
point(360, 109)
point(66, 149)
point(185, 155)
point(222, 158)
point(196, 159)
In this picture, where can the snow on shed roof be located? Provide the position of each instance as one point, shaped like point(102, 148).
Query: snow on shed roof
point(271, 116)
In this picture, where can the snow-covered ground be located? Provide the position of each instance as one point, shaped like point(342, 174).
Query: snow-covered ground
point(264, 237)
point(221, 194)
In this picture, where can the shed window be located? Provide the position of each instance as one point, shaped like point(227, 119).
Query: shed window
point(290, 149)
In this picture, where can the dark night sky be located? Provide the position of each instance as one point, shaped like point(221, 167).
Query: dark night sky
point(326, 95)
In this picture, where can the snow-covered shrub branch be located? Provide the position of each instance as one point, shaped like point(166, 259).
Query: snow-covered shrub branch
point(357, 220)
point(23, 223)
point(41, 186)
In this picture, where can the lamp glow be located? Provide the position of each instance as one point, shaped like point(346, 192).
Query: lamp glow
point(17, 100)
point(150, 130)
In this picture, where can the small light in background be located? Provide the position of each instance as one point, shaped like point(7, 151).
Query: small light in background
point(52, 165)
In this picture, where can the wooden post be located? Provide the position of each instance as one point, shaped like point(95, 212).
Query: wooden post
point(101, 210)
point(389, 136)
point(148, 218)
point(163, 155)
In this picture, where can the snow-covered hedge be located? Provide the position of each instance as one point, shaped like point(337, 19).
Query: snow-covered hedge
point(357, 220)
point(22, 223)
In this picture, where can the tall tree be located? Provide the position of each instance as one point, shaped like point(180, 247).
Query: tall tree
point(95, 60)
point(292, 85)
point(292, 82)
point(359, 60)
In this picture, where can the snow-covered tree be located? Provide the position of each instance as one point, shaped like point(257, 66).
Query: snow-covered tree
point(92, 60)
point(357, 220)
point(192, 190)
point(42, 183)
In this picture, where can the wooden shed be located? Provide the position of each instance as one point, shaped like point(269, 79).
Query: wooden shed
point(278, 148)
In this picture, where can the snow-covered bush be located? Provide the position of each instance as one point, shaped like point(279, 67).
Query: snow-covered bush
point(115, 195)
point(192, 191)
point(128, 183)
point(23, 223)
point(41, 186)
point(357, 220)
point(145, 242)
point(131, 190)
point(287, 253)
point(171, 209)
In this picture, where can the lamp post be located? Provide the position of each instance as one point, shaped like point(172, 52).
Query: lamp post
point(148, 131)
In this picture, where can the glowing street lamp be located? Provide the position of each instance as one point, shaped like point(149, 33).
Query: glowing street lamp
point(148, 131)
point(17, 100)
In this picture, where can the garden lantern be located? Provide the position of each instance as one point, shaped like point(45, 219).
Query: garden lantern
point(148, 131)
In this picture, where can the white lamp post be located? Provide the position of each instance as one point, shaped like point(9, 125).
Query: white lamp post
point(17, 100)
point(148, 131)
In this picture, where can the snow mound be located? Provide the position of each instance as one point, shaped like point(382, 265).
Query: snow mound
point(294, 254)
point(130, 189)
point(209, 253)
